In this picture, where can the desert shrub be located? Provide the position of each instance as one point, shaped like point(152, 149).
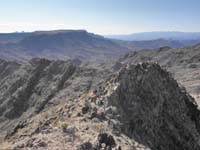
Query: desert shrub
point(71, 100)
point(64, 126)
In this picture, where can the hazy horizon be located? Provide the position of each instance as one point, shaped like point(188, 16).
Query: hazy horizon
point(101, 17)
point(99, 34)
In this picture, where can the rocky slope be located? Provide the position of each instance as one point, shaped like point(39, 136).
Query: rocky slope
point(27, 88)
point(59, 105)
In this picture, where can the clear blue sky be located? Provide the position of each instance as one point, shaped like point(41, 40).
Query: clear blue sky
point(100, 16)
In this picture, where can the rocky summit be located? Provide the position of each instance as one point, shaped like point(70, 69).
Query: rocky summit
point(61, 105)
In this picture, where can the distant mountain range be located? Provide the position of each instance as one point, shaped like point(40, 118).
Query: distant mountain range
point(77, 44)
point(157, 35)
point(152, 44)
point(61, 44)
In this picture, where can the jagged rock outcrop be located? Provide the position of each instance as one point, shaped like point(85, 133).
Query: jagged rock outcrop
point(154, 110)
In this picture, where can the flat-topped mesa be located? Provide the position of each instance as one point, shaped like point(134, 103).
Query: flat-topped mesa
point(153, 109)
point(60, 31)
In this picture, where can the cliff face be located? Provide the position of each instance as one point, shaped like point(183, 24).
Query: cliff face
point(58, 105)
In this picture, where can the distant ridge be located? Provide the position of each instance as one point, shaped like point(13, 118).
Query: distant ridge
point(75, 44)
point(172, 35)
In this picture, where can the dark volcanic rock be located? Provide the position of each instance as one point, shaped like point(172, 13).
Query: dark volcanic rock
point(154, 110)
point(86, 146)
point(108, 140)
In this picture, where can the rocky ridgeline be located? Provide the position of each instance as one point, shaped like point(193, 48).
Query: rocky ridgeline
point(139, 107)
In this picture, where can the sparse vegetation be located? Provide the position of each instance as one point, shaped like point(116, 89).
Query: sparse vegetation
point(64, 126)
point(71, 100)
